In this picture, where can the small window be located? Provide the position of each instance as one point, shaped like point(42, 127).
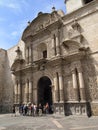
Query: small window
point(87, 1)
point(45, 54)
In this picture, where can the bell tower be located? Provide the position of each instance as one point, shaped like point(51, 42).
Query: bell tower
point(72, 5)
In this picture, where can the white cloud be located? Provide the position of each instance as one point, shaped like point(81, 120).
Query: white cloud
point(15, 33)
point(14, 5)
point(17, 29)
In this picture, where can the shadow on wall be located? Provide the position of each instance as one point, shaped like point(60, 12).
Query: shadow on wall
point(7, 97)
point(90, 77)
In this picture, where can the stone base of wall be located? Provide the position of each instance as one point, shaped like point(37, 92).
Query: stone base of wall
point(5, 109)
point(77, 108)
point(94, 108)
point(59, 108)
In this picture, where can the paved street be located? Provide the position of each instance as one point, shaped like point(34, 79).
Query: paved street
point(50, 122)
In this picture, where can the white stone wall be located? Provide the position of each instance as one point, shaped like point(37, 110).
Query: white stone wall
point(72, 5)
point(12, 54)
point(6, 78)
point(87, 18)
point(6, 88)
point(2, 62)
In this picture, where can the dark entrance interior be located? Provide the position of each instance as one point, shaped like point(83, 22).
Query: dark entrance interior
point(44, 91)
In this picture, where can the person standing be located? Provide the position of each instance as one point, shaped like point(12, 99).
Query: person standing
point(13, 110)
point(47, 108)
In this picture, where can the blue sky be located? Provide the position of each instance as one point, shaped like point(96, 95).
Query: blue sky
point(14, 15)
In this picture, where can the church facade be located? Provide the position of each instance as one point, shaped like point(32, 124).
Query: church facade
point(55, 62)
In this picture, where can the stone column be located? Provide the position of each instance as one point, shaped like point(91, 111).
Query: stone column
point(30, 91)
point(75, 85)
point(16, 93)
point(57, 45)
point(56, 91)
point(53, 47)
point(81, 85)
point(61, 87)
point(26, 91)
point(19, 93)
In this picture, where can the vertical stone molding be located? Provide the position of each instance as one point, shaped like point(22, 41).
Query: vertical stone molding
point(53, 46)
point(75, 85)
point(30, 54)
point(30, 91)
point(81, 84)
point(16, 93)
point(57, 46)
point(53, 94)
point(27, 55)
point(26, 91)
point(19, 93)
point(61, 89)
point(56, 91)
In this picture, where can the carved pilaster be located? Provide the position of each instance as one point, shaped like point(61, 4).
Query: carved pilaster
point(30, 91)
point(56, 91)
point(30, 54)
point(19, 93)
point(16, 93)
point(61, 89)
point(81, 84)
point(26, 92)
point(53, 47)
point(57, 45)
point(27, 55)
point(75, 85)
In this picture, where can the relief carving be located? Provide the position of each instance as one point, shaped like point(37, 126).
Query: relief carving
point(76, 64)
point(74, 32)
point(70, 32)
point(93, 88)
point(76, 26)
point(70, 91)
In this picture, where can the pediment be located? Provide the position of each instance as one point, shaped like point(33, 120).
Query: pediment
point(39, 23)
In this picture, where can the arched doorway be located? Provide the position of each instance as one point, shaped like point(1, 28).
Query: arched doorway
point(45, 91)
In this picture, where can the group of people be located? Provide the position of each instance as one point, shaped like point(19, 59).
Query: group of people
point(32, 109)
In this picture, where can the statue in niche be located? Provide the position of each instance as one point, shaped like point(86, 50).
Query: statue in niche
point(19, 54)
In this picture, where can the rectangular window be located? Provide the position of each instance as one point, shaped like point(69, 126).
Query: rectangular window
point(45, 54)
